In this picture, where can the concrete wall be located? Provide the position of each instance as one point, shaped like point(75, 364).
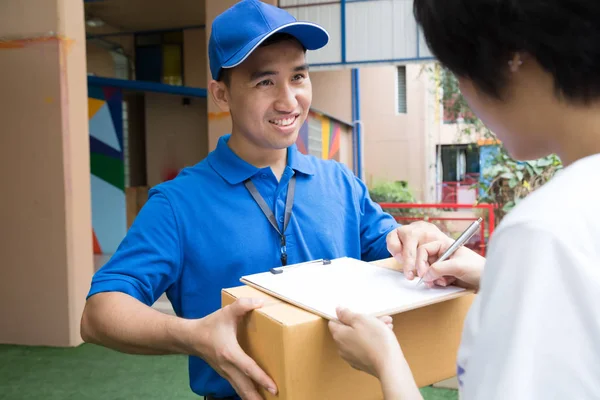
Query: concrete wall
point(175, 134)
point(332, 93)
point(195, 62)
point(46, 244)
point(394, 147)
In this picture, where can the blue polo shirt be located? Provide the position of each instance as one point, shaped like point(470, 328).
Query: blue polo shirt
point(200, 232)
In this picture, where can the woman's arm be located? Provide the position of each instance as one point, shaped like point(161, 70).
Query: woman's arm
point(369, 344)
point(397, 382)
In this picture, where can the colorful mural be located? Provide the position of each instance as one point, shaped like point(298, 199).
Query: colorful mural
point(109, 220)
point(487, 153)
point(331, 133)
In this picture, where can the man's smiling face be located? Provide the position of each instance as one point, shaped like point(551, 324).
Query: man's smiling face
point(270, 95)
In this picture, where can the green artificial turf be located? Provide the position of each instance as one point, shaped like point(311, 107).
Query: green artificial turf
point(92, 372)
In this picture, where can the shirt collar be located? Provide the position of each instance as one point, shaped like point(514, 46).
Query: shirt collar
point(235, 170)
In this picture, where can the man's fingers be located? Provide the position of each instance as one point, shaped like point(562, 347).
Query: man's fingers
point(234, 358)
point(244, 305)
point(394, 245)
point(243, 385)
point(250, 368)
point(427, 254)
point(409, 253)
point(423, 253)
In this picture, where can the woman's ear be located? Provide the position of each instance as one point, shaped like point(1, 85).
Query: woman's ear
point(220, 94)
point(515, 63)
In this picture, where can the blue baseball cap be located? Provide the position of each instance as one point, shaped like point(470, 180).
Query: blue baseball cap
point(237, 32)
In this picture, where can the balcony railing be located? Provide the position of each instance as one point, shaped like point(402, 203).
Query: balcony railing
point(450, 218)
point(462, 191)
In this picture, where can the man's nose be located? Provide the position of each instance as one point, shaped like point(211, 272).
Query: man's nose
point(286, 99)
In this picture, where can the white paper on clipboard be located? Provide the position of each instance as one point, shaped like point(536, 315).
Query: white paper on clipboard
point(358, 285)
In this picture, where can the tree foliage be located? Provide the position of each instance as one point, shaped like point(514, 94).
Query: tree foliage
point(505, 181)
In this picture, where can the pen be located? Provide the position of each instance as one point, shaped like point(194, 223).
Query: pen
point(462, 239)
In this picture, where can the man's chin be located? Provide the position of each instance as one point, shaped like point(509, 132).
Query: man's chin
point(283, 141)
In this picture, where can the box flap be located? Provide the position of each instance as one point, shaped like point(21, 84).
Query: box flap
point(284, 313)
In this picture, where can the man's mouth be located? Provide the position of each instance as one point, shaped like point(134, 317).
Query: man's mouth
point(284, 121)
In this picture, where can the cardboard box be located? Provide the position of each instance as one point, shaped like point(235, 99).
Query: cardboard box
point(295, 347)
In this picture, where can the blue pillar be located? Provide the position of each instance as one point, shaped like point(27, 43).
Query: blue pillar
point(343, 25)
point(356, 123)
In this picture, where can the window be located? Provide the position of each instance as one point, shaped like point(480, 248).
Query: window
point(121, 65)
point(159, 57)
point(401, 107)
point(458, 170)
point(459, 162)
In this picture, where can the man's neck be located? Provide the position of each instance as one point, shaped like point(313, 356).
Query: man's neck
point(276, 159)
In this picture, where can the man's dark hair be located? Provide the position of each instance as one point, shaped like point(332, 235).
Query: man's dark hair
point(477, 38)
point(225, 76)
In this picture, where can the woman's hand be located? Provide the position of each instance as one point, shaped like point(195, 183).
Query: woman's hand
point(403, 242)
point(366, 343)
point(369, 344)
point(463, 268)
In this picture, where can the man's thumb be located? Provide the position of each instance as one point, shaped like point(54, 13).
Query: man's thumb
point(244, 305)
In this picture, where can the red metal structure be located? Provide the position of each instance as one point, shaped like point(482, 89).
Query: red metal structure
point(419, 212)
point(449, 189)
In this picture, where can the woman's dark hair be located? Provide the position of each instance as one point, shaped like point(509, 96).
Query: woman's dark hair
point(477, 38)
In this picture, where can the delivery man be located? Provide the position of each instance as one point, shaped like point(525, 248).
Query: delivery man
point(254, 203)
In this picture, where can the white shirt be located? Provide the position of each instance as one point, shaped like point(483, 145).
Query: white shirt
point(533, 331)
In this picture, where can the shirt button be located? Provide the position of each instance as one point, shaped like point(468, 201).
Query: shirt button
point(280, 219)
point(264, 176)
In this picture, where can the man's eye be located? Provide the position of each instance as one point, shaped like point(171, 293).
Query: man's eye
point(299, 77)
point(266, 82)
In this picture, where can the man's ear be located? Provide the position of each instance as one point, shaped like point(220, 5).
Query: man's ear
point(219, 94)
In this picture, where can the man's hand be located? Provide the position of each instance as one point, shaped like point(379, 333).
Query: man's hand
point(403, 242)
point(214, 339)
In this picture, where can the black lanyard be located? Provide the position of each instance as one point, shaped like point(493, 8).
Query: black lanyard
point(289, 203)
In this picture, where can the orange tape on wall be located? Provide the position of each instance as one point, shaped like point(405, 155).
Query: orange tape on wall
point(19, 43)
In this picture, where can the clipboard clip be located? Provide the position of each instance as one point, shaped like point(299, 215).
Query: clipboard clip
point(279, 270)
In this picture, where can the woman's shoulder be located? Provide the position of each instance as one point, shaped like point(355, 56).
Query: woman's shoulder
point(568, 201)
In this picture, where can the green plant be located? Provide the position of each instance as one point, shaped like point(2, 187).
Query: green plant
point(505, 181)
point(400, 192)
point(394, 192)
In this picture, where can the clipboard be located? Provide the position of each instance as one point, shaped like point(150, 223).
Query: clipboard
point(320, 286)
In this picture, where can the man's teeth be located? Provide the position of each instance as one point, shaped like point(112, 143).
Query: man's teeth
point(283, 122)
